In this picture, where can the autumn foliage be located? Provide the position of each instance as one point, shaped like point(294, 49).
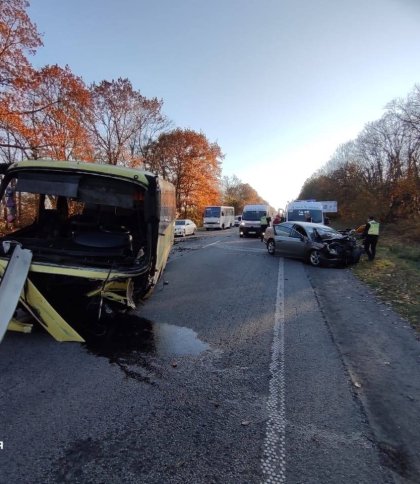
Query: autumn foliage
point(193, 164)
point(51, 113)
point(238, 194)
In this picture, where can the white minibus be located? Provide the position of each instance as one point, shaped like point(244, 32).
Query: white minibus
point(218, 217)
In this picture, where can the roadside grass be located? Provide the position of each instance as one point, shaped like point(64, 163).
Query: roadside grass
point(395, 272)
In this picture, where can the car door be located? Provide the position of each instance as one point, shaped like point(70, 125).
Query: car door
point(189, 228)
point(298, 241)
point(281, 237)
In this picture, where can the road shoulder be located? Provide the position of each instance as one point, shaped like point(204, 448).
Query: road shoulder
point(382, 356)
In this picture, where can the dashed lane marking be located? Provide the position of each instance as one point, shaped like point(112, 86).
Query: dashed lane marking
point(273, 461)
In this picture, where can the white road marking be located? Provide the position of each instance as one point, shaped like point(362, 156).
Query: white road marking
point(273, 461)
point(231, 245)
point(213, 243)
point(237, 249)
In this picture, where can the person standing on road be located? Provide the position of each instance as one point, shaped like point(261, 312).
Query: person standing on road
point(371, 235)
point(264, 224)
point(277, 219)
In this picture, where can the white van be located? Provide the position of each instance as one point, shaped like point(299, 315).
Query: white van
point(251, 215)
point(305, 211)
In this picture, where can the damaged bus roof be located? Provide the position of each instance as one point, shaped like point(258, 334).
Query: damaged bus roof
point(109, 170)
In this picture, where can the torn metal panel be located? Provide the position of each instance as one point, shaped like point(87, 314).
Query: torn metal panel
point(16, 325)
point(118, 291)
point(12, 282)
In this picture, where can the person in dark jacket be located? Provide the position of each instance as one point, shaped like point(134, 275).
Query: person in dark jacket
point(371, 236)
point(277, 219)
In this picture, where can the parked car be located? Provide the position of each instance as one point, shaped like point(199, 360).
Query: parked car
point(185, 227)
point(314, 243)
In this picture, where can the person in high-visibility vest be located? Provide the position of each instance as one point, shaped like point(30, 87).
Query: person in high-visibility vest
point(371, 235)
point(264, 221)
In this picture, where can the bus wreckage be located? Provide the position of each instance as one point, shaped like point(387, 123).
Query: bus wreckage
point(79, 243)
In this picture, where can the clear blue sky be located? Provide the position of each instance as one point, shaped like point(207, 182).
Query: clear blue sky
point(279, 84)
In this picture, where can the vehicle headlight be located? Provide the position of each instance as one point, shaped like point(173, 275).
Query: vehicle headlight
point(242, 224)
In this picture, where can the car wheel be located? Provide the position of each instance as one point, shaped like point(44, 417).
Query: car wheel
point(271, 247)
point(314, 258)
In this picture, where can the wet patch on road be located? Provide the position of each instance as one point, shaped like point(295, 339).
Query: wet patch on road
point(182, 249)
point(394, 458)
point(80, 454)
point(135, 343)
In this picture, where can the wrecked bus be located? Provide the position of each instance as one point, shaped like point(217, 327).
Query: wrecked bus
point(79, 243)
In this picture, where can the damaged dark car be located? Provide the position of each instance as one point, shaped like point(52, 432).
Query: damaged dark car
point(317, 244)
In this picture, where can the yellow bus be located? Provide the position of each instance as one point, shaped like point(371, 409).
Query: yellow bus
point(96, 239)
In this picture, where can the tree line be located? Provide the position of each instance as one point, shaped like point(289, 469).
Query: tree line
point(378, 172)
point(238, 194)
point(51, 113)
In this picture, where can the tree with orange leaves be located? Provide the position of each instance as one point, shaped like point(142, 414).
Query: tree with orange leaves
point(57, 106)
point(238, 194)
point(193, 164)
point(42, 113)
point(18, 39)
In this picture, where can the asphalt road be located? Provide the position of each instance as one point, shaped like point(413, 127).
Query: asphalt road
point(241, 368)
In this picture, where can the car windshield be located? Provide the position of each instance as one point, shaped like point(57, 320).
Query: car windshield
point(253, 214)
point(324, 233)
point(212, 212)
point(180, 222)
point(305, 215)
